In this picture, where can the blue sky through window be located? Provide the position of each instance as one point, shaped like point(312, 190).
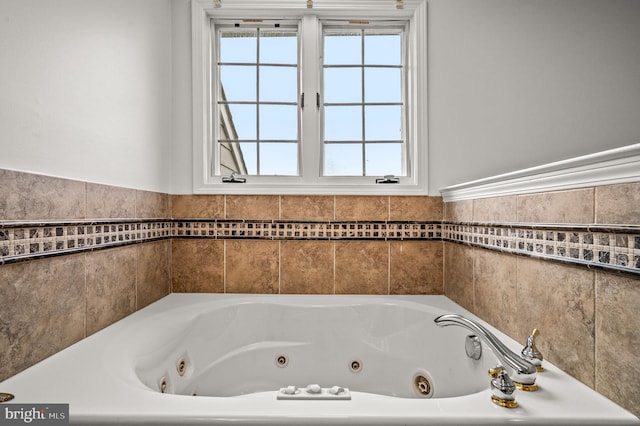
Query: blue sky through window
point(362, 100)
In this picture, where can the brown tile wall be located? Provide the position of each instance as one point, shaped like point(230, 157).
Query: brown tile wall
point(51, 303)
point(589, 321)
point(307, 266)
point(94, 289)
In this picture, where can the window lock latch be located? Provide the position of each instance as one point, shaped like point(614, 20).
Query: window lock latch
point(233, 179)
point(388, 179)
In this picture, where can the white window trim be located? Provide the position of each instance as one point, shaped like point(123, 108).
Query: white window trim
point(415, 10)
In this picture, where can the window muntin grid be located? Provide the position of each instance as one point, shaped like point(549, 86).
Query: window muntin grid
point(258, 132)
point(364, 124)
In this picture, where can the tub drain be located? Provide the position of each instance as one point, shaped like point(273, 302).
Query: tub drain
point(282, 361)
point(4, 397)
point(422, 385)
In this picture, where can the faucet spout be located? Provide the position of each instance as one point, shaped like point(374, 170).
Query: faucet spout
point(524, 371)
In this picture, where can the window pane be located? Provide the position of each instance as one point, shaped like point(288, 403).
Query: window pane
point(238, 46)
point(279, 159)
point(278, 47)
point(238, 83)
point(343, 123)
point(238, 158)
point(279, 122)
point(278, 84)
point(343, 48)
point(342, 85)
point(383, 123)
point(250, 154)
point(383, 85)
point(238, 122)
point(343, 160)
point(382, 49)
point(383, 159)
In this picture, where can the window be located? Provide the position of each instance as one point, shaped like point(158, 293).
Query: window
point(257, 103)
point(317, 102)
point(363, 108)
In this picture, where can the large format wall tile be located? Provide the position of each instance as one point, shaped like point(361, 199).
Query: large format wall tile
point(559, 301)
point(618, 339)
point(498, 209)
point(458, 274)
point(416, 267)
point(307, 267)
point(574, 206)
point(153, 273)
point(197, 266)
point(104, 201)
point(301, 207)
point(495, 289)
point(252, 266)
point(362, 267)
point(43, 310)
point(26, 196)
point(459, 211)
point(198, 206)
point(618, 204)
point(111, 291)
point(416, 208)
point(152, 205)
point(362, 208)
point(253, 207)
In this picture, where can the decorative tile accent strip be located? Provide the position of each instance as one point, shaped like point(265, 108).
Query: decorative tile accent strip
point(300, 230)
point(32, 240)
point(612, 248)
point(20, 241)
point(603, 247)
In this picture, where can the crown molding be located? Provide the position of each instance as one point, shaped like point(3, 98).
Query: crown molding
point(620, 165)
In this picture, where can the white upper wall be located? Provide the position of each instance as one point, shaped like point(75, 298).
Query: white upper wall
point(85, 90)
point(512, 84)
point(520, 83)
point(182, 148)
point(100, 90)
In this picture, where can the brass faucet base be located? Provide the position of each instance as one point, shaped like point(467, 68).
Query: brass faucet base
point(506, 403)
point(526, 388)
point(539, 368)
point(5, 397)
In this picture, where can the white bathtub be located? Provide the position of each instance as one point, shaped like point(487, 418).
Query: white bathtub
point(237, 353)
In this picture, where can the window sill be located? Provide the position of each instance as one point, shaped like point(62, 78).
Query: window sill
point(311, 189)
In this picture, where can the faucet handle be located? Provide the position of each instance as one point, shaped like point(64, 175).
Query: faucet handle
point(495, 371)
point(502, 387)
point(531, 353)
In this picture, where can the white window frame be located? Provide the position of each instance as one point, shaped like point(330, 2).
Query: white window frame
point(415, 11)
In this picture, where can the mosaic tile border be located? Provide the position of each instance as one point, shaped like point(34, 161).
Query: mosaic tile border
point(21, 241)
point(614, 248)
point(600, 247)
point(305, 230)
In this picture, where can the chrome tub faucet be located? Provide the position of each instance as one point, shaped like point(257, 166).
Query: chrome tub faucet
point(524, 372)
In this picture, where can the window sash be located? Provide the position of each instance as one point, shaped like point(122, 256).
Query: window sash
point(362, 29)
point(230, 150)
